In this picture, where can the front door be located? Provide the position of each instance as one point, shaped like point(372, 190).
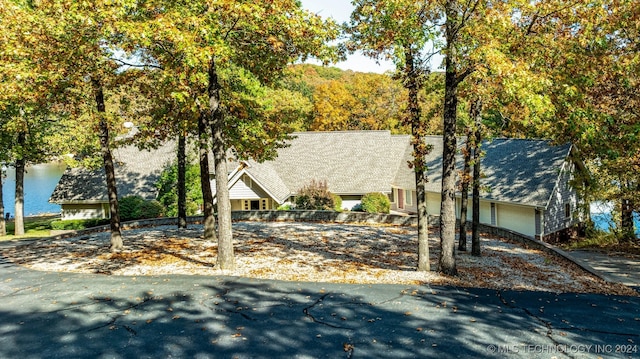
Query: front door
point(400, 199)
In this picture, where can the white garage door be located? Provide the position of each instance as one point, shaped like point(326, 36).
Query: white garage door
point(515, 218)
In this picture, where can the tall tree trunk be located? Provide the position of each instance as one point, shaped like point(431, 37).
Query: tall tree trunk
point(226, 257)
point(477, 155)
point(182, 189)
point(627, 225)
point(464, 200)
point(447, 261)
point(19, 194)
point(420, 150)
point(109, 169)
point(3, 223)
point(205, 182)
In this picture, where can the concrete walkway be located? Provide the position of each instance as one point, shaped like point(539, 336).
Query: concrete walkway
point(614, 267)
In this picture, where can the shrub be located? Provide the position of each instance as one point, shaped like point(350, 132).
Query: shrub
point(77, 224)
point(284, 207)
point(315, 196)
point(136, 207)
point(151, 209)
point(337, 202)
point(376, 202)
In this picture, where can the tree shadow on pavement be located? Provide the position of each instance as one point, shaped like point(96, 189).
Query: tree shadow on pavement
point(202, 317)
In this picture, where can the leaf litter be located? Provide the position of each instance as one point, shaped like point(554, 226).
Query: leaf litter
point(315, 252)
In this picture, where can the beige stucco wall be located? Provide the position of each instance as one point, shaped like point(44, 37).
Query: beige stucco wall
point(85, 211)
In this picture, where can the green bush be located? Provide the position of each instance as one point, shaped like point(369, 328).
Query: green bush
point(337, 203)
point(376, 202)
point(151, 209)
point(315, 196)
point(284, 207)
point(77, 224)
point(136, 207)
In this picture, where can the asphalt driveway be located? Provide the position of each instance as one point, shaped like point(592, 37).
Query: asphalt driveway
point(62, 315)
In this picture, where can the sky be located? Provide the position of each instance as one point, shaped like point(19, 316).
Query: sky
point(340, 11)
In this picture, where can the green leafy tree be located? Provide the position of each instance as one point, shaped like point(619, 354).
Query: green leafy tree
point(168, 194)
point(222, 54)
point(596, 72)
point(29, 101)
point(400, 30)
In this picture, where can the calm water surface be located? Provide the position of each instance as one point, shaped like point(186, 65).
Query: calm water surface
point(39, 182)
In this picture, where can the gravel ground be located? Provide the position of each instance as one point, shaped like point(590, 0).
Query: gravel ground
point(312, 252)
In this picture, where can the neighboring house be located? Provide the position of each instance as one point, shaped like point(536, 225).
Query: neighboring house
point(527, 181)
point(82, 193)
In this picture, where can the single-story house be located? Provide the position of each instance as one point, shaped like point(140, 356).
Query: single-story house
point(527, 185)
point(527, 182)
point(82, 192)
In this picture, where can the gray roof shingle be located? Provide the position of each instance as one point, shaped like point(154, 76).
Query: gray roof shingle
point(352, 162)
point(137, 172)
point(521, 171)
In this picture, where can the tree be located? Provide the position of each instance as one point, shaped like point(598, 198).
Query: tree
point(596, 95)
point(168, 189)
point(27, 106)
point(400, 30)
point(228, 51)
point(3, 225)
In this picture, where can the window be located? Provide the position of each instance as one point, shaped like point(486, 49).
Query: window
point(409, 197)
point(392, 195)
point(567, 210)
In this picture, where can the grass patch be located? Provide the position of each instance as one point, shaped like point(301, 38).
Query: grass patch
point(34, 227)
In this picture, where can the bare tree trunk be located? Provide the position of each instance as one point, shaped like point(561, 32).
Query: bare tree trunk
point(447, 261)
point(420, 150)
point(226, 257)
point(19, 194)
point(109, 169)
point(3, 224)
point(475, 224)
point(627, 225)
point(464, 201)
point(477, 140)
point(205, 183)
point(182, 191)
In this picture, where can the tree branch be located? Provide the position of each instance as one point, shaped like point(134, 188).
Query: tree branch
point(124, 63)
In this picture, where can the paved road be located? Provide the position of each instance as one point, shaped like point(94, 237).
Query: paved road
point(55, 315)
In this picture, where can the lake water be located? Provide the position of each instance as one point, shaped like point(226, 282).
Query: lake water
point(39, 182)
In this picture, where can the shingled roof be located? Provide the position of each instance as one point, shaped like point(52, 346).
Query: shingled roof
point(522, 171)
point(352, 163)
point(137, 172)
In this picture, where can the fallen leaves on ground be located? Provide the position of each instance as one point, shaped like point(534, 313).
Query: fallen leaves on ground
point(314, 252)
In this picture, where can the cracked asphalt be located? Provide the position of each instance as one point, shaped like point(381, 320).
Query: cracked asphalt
point(63, 315)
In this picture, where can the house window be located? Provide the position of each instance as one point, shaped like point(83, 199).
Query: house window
point(392, 196)
point(409, 197)
point(567, 210)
